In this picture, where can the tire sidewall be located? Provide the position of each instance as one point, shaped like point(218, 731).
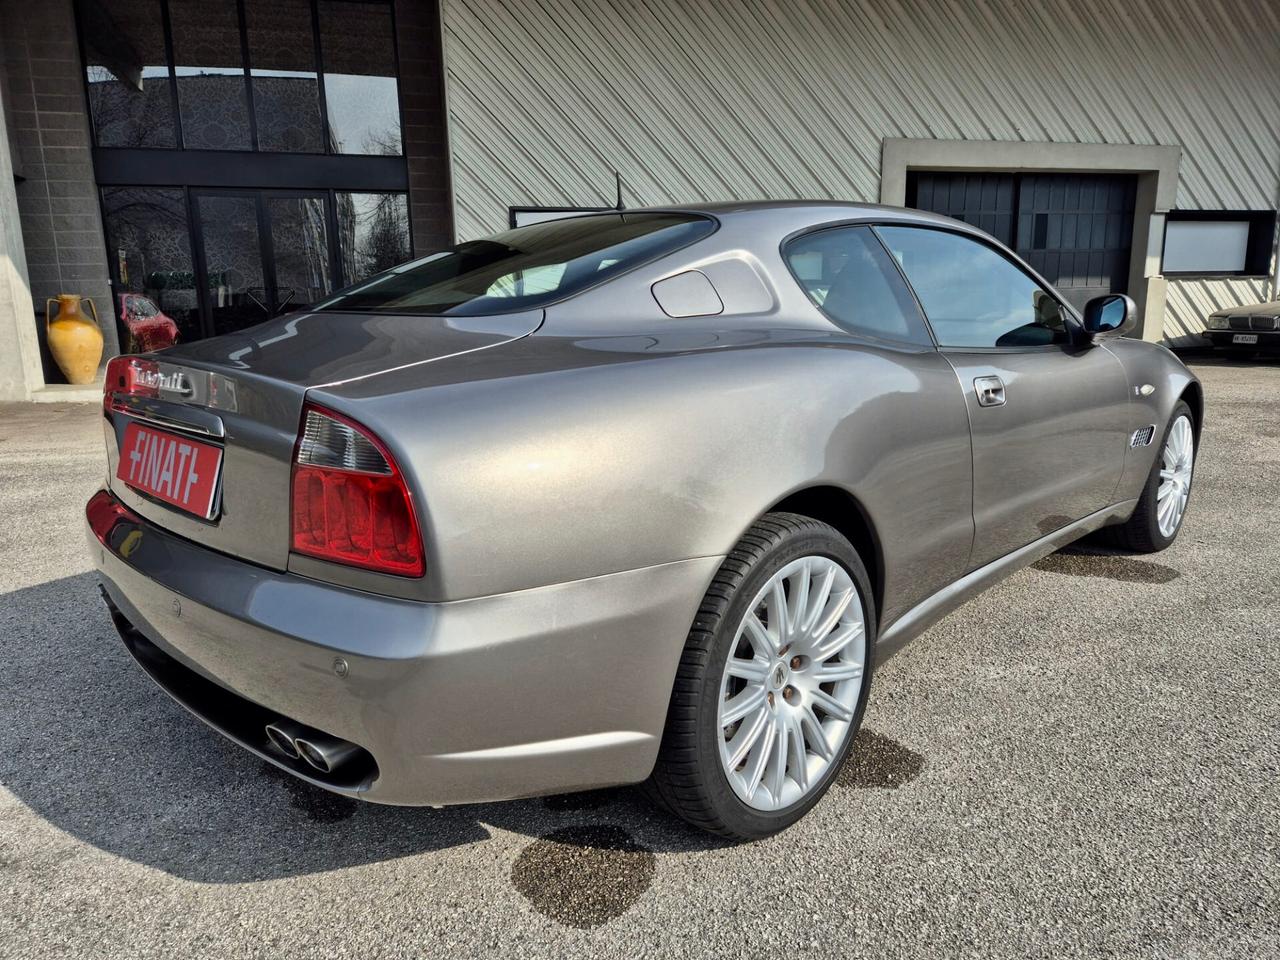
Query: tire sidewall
point(1158, 539)
point(737, 815)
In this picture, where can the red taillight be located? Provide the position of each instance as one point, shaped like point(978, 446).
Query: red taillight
point(104, 511)
point(350, 503)
point(130, 377)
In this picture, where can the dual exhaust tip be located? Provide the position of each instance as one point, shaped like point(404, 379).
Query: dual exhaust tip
point(319, 750)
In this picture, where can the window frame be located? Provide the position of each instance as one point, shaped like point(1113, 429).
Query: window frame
point(914, 345)
point(1071, 319)
point(254, 147)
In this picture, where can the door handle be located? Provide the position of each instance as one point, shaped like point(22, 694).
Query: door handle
point(990, 391)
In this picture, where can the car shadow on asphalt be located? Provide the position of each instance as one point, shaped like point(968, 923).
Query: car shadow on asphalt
point(91, 745)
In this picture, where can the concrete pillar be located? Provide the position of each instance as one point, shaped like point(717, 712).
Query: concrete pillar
point(19, 349)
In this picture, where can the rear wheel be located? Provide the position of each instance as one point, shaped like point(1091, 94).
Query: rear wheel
point(773, 681)
point(1162, 506)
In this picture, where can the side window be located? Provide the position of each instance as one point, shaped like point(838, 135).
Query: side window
point(850, 278)
point(972, 295)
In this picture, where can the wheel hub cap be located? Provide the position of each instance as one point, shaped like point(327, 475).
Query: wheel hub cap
point(791, 683)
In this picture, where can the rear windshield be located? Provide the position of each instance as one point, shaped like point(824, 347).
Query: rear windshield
point(524, 268)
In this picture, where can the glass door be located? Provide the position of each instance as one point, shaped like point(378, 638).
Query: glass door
point(229, 253)
point(260, 253)
point(299, 268)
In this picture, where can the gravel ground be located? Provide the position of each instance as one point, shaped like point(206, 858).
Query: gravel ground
point(1082, 762)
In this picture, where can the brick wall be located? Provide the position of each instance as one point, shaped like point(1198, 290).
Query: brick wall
point(422, 101)
point(49, 129)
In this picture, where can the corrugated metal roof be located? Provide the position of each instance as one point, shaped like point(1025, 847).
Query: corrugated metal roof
point(721, 99)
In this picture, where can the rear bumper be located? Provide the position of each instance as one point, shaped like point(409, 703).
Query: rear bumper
point(558, 688)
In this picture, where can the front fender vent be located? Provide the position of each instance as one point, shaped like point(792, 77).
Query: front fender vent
point(1143, 436)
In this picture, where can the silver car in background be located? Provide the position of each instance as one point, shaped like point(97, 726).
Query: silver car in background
point(640, 496)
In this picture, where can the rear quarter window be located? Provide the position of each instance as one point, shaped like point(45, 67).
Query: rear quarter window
point(848, 275)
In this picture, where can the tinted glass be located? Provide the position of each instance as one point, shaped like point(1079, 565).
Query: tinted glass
point(526, 267)
point(209, 65)
point(375, 233)
point(128, 73)
point(148, 240)
point(971, 294)
point(233, 261)
point(847, 274)
point(300, 247)
point(358, 46)
point(286, 87)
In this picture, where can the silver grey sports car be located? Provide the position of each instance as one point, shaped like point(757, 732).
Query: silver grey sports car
point(633, 496)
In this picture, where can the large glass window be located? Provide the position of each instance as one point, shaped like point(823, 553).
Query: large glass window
point(375, 233)
point(209, 65)
point(526, 267)
point(128, 73)
point(286, 87)
point(139, 52)
point(848, 276)
point(358, 47)
point(973, 296)
point(148, 238)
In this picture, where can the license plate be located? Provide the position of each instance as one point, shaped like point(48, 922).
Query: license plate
point(1245, 338)
point(179, 471)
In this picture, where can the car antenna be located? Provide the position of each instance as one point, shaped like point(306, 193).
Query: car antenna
point(618, 179)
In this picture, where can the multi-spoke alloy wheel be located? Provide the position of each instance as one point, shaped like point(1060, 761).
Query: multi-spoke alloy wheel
point(791, 682)
point(1162, 505)
point(772, 682)
point(1177, 461)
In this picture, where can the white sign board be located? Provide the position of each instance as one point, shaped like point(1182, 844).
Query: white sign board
point(1205, 246)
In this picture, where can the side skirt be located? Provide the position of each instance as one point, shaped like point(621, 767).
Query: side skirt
point(928, 612)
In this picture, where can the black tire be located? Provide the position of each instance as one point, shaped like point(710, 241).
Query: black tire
point(1141, 532)
point(688, 779)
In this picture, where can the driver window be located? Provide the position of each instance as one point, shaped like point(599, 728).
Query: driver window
point(972, 296)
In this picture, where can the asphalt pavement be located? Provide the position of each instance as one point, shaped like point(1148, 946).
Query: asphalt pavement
point(1081, 762)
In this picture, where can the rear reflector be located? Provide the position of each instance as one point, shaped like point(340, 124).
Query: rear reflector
point(350, 503)
point(104, 511)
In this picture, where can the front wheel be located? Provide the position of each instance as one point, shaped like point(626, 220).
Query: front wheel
point(1162, 506)
point(773, 681)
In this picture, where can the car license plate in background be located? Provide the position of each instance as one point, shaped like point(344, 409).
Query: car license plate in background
point(1245, 338)
point(178, 471)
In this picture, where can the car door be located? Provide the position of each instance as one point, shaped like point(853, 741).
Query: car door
point(1048, 417)
point(913, 443)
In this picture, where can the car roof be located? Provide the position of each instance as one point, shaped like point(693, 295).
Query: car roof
point(814, 211)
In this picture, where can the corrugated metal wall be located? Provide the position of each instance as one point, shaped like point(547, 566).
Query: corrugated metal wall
point(719, 99)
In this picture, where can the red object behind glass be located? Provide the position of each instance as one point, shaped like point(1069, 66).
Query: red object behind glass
point(149, 328)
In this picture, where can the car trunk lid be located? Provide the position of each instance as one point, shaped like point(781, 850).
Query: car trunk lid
point(243, 394)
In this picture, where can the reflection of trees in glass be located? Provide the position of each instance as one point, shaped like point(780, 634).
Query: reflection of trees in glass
point(358, 51)
point(301, 250)
point(382, 143)
point(374, 229)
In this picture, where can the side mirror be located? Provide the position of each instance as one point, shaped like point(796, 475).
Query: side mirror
point(1111, 315)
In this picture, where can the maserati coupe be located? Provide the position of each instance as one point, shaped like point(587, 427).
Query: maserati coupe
point(637, 496)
